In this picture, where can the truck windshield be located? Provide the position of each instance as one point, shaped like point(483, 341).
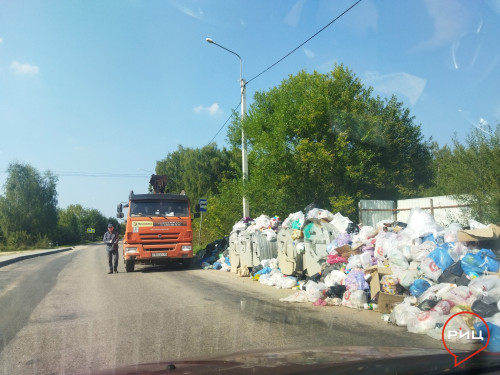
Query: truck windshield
point(159, 208)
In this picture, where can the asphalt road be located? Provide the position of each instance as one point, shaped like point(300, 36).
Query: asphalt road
point(63, 314)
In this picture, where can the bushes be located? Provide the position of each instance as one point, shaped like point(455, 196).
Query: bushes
point(19, 239)
point(22, 240)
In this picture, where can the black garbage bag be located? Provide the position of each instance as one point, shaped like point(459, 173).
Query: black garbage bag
point(336, 291)
point(427, 304)
point(454, 275)
point(316, 278)
point(483, 309)
point(256, 269)
point(456, 268)
point(352, 228)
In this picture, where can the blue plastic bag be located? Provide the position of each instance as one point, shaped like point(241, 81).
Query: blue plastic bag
point(264, 271)
point(481, 331)
point(478, 263)
point(429, 237)
point(418, 287)
point(441, 257)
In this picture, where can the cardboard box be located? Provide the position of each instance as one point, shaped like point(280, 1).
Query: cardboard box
point(376, 276)
point(491, 232)
point(385, 301)
point(346, 251)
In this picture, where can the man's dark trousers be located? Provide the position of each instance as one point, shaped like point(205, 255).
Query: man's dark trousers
point(113, 265)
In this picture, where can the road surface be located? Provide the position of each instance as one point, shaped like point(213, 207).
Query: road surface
point(63, 314)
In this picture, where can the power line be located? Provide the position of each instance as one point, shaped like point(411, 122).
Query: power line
point(95, 174)
point(296, 48)
point(284, 57)
point(223, 125)
point(99, 174)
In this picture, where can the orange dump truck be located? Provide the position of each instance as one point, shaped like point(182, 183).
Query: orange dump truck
point(158, 230)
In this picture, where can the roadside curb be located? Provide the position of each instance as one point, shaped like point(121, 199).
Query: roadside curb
point(19, 257)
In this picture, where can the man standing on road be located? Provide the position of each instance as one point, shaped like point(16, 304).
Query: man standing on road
point(111, 238)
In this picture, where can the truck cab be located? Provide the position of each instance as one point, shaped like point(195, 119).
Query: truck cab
point(158, 230)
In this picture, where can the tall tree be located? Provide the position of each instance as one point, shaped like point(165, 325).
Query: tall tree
point(196, 171)
point(471, 172)
point(67, 227)
point(323, 138)
point(30, 202)
point(75, 220)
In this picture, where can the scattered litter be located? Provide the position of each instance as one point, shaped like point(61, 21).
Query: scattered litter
point(416, 274)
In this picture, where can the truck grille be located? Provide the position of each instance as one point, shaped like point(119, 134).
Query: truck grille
point(159, 238)
point(159, 247)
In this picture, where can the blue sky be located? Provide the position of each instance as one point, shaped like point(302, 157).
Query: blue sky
point(98, 91)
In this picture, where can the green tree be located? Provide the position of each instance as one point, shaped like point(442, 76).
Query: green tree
point(67, 227)
point(223, 210)
point(323, 138)
point(471, 172)
point(28, 211)
point(199, 173)
point(74, 221)
point(196, 171)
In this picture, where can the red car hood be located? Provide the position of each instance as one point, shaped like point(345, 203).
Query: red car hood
point(324, 360)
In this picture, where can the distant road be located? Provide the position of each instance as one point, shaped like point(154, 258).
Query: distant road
point(64, 314)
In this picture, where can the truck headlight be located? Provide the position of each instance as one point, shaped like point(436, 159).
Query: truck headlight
point(131, 249)
point(186, 248)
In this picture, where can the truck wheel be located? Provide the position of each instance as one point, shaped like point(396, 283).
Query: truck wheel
point(186, 263)
point(129, 265)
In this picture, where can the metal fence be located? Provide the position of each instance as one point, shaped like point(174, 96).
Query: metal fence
point(445, 209)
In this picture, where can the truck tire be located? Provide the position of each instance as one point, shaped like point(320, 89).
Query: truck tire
point(187, 263)
point(129, 265)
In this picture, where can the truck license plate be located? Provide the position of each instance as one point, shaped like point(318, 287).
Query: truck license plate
point(159, 254)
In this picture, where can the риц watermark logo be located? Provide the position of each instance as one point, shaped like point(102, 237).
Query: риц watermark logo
point(463, 335)
point(467, 335)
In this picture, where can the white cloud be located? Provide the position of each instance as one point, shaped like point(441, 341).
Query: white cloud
point(397, 83)
point(451, 21)
point(327, 66)
point(1, 40)
point(309, 53)
point(212, 110)
point(293, 17)
point(187, 11)
point(24, 69)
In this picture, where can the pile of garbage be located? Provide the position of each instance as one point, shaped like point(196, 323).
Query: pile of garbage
point(417, 274)
point(215, 255)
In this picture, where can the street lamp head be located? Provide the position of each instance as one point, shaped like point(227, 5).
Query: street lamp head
point(209, 40)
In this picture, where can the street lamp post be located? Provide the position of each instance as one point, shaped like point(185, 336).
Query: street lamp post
point(244, 158)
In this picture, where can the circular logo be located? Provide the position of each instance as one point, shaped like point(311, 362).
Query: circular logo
point(464, 335)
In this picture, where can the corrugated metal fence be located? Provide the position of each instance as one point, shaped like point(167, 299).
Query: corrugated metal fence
point(445, 209)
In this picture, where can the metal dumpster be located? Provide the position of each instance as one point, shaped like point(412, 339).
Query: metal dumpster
point(289, 260)
point(263, 248)
point(317, 236)
point(234, 255)
point(244, 248)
